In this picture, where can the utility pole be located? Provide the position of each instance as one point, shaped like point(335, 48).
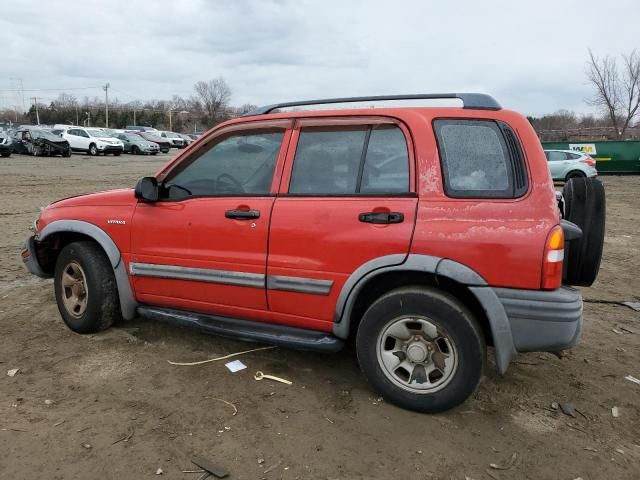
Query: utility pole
point(77, 116)
point(106, 104)
point(134, 116)
point(35, 102)
point(170, 128)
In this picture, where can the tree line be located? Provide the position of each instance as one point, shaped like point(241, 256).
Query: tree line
point(209, 104)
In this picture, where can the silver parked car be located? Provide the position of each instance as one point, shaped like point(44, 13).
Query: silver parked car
point(566, 164)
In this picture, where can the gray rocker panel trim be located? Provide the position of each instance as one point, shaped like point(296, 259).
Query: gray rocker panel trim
point(128, 303)
point(231, 277)
point(242, 279)
point(299, 284)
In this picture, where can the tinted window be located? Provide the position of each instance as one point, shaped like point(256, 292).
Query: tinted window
point(475, 159)
point(386, 167)
point(574, 156)
point(350, 160)
point(240, 164)
point(327, 161)
point(556, 156)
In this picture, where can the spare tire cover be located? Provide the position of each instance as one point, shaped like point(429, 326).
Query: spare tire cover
point(584, 205)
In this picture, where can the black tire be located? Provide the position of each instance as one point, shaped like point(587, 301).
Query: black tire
point(67, 154)
point(5, 155)
point(135, 150)
point(93, 150)
point(102, 304)
point(584, 205)
point(116, 154)
point(165, 150)
point(452, 318)
point(574, 174)
point(154, 153)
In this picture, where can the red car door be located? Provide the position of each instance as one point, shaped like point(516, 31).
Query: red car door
point(347, 196)
point(203, 245)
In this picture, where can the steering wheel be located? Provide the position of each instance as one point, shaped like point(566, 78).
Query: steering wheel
point(235, 182)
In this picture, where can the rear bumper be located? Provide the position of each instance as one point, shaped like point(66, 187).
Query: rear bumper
point(30, 259)
point(543, 321)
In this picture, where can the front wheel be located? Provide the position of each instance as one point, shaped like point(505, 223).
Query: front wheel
point(85, 288)
point(421, 349)
point(93, 150)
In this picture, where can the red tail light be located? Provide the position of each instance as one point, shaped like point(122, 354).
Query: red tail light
point(552, 261)
point(589, 161)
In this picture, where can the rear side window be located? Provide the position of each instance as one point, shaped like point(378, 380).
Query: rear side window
point(480, 159)
point(556, 156)
point(364, 160)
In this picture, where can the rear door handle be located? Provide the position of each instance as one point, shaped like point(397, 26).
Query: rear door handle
point(242, 214)
point(381, 217)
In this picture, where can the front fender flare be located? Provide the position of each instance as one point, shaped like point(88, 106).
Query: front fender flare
point(128, 303)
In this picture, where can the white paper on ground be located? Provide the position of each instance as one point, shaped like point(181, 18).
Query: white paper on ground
point(235, 366)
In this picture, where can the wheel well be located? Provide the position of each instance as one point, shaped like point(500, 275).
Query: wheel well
point(49, 249)
point(573, 173)
point(385, 282)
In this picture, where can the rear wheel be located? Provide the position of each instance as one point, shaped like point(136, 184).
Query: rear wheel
point(5, 154)
point(135, 150)
point(85, 288)
point(421, 349)
point(584, 205)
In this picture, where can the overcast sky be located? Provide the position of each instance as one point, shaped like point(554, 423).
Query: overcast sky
point(529, 54)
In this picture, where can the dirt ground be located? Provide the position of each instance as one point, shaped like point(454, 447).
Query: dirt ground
point(109, 406)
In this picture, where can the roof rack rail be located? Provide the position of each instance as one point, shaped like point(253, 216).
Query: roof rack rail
point(474, 101)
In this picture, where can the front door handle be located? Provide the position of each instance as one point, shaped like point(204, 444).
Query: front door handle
point(242, 214)
point(381, 217)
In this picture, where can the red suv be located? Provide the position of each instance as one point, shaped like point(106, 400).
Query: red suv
point(426, 234)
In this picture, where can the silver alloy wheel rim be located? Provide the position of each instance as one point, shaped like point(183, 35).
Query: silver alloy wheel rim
point(74, 289)
point(416, 354)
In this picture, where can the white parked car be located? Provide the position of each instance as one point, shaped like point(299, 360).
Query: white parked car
point(175, 139)
point(567, 164)
point(92, 141)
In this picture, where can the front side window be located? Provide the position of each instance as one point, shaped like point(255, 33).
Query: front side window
point(239, 164)
point(478, 159)
point(350, 161)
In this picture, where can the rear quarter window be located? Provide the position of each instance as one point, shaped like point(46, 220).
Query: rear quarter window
point(480, 159)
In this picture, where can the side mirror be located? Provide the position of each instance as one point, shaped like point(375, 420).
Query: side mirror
point(147, 189)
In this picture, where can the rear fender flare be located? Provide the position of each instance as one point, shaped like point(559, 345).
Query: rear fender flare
point(128, 303)
point(441, 267)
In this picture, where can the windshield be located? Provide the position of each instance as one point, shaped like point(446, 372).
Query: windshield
point(132, 137)
point(172, 135)
point(46, 134)
point(95, 132)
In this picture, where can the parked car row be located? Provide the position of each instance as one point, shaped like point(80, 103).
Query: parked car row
point(63, 139)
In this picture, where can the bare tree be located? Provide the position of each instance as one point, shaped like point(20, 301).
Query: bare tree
point(212, 99)
point(616, 93)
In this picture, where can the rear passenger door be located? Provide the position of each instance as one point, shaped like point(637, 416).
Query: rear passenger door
point(347, 197)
